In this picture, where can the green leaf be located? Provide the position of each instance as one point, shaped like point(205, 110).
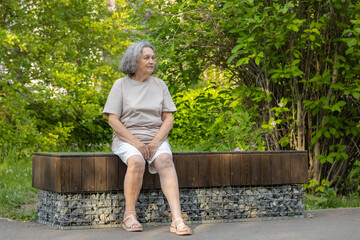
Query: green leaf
point(356, 95)
point(242, 61)
point(351, 42)
point(327, 134)
point(337, 106)
point(325, 182)
point(344, 155)
point(332, 131)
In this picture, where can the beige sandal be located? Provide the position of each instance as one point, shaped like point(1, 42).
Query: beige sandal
point(180, 228)
point(134, 227)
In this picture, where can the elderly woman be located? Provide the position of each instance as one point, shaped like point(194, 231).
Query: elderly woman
point(140, 111)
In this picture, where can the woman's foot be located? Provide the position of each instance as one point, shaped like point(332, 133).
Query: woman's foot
point(178, 226)
point(131, 224)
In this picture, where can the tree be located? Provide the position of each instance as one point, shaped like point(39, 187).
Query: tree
point(58, 61)
point(295, 62)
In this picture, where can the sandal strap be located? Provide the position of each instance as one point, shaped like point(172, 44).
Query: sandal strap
point(133, 218)
point(181, 226)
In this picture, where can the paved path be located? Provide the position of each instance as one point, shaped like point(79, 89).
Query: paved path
point(343, 224)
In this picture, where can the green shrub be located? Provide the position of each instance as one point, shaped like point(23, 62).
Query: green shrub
point(213, 119)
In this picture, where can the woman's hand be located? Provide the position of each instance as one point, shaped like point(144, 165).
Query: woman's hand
point(168, 120)
point(143, 149)
point(153, 147)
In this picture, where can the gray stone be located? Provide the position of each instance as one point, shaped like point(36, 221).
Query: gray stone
point(206, 204)
point(248, 192)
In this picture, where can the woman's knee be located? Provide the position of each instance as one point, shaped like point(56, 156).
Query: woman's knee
point(163, 161)
point(136, 163)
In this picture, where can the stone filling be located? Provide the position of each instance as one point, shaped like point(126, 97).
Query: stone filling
point(199, 205)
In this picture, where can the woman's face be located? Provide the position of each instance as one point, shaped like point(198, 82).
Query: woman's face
point(146, 62)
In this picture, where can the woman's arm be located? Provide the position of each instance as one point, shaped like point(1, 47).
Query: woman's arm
point(167, 123)
point(124, 134)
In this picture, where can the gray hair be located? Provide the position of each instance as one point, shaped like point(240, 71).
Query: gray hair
point(128, 63)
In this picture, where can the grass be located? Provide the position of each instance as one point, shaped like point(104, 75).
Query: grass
point(17, 197)
point(329, 199)
point(319, 202)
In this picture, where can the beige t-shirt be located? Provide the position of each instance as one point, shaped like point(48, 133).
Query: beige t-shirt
point(139, 105)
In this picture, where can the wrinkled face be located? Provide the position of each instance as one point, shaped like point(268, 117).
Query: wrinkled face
point(146, 62)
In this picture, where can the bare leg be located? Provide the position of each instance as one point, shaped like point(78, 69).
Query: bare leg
point(169, 184)
point(132, 186)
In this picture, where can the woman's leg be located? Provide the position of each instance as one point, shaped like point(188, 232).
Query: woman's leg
point(169, 184)
point(132, 185)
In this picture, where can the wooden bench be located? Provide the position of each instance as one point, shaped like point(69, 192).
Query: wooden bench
point(238, 176)
point(94, 172)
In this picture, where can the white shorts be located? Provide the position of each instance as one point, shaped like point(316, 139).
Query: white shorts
point(125, 150)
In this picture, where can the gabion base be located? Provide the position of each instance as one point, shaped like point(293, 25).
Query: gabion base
point(200, 205)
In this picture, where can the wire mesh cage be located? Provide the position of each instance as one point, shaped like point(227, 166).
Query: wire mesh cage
point(199, 205)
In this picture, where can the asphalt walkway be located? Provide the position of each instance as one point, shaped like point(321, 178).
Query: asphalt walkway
point(325, 224)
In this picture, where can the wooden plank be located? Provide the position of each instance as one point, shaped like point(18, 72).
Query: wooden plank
point(35, 171)
point(225, 169)
point(204, 168)
point(46, 166)
point(64, 174)
point(304, 168)
point(182, 170)
point(193, 171)
point(295, 168)
point(276, 168)
point(88, 173)
point(246, 169)
point(100, 173)
point(41, 172)
point(236, 169)
point(286, 168)
point(53, 185)
point(112, 176)
point(122, 172)
point(75, 174)
point(57, 179)
point(301, 171)
point(214, 174)
point(255, 160)
point(157, 184)
point(60, 172)
point(149, 179)
point(266, 169)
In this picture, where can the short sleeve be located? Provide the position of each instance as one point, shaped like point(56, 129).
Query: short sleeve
point(114, 102)
point(168, 104)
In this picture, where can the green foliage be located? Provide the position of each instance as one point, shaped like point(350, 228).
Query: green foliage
point(352, 183)
point(321, 196)
point(314, 187)
point(57, 64)
point(330, 199)
point(212, 119)
point(303, 56)
point(293, 69)
point(17, 197)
